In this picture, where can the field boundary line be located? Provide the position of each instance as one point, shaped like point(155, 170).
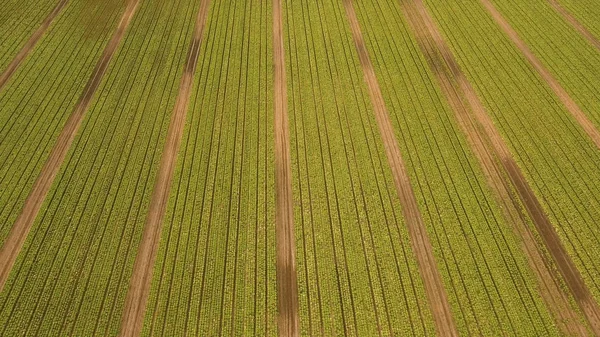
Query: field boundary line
point(20, 229)
point(141, 279)
point(30, 44)
point(287, 284)
point(569, 18)
point(583, 120)
point(434, 287)
point(503, 175)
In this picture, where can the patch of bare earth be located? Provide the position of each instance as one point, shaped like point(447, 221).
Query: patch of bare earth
point(434, 287)
point(139, 287)
point(506, 180)
point(33, 40)
point(572, 107)
point(21, 227)
point(575, 23)
point(287, 284)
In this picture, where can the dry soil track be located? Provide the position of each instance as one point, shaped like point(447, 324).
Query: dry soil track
point(434, 287)
point(22, 225)
point(575, 24)
point(141, 279)
point(504, 176)
point(33, 40)
point(287, 283)
point(572, 107)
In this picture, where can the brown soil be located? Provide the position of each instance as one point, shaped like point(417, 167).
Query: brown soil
point(287, 284)
point(33, 40)
point(576, 24)
point(505, 178)
point(562, 94)
point(22, 225)
point(141, 279)
point(421, 245)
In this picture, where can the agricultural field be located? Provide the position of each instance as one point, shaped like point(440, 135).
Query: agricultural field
point(299, 168)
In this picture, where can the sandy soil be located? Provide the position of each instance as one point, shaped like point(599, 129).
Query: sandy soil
point(421, 245)
point(141, 279)
point(502, 174)
point(33, 40)
point(287, 285)
point(22, 225)
point(576, 24)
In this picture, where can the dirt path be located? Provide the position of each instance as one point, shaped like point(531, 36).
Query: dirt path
point(287, 284)
point(562, 94)
point(576, 24)
point(20, 229)
point(505, 178)
point(33, 40)
point(141, 279)
point(434, 288)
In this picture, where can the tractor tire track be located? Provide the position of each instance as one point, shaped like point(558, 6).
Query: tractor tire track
point(33, 203)
point(287, 283)
point(587, 125)
point(30, 44)
point(568, 17)
point(504, 176)
point(423, 250)
point(139, 288)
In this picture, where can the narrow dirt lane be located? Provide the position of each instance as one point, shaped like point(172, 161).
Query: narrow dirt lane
point(504, 177)
point(434, 287)
point(22, 225)
point(33, 40)
point(287, 284)
point(141, 279)
point(576, 24)
point(572, 107)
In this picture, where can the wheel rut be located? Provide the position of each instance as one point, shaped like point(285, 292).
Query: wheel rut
point(434, 287)
point(20, 229)
point(506, 179)
point(139, 287)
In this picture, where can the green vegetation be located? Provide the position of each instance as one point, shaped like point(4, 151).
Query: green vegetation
point(73, 271)
point(215, 270)
point(18, 20)
point(557, 158)
point(40, 96)
point(485, 272)
point(356, 271)
point(587, 13)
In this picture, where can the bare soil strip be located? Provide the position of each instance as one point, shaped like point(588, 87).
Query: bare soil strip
point(33, 40)
point(287, 284)
point(22, 225)
point(139, 288)
point(576, 24)
point(506, 179)
point(434, 287)
point(572, 107)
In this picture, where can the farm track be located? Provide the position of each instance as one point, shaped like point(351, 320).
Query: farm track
point(30, 44)
point(451, 78)
point(22, 225)
point(287, 284)
point(583, 120)
point(135, 306)
point(436, 293)
point(575, 23)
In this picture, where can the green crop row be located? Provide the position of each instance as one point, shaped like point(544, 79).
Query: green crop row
point(357, 274)
point(215, 269)
point(40, 96)
point(486, 274)
point(586, 12)
point(572, 60)
point(18, 20)
point(558, 159)
point(73, 272)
